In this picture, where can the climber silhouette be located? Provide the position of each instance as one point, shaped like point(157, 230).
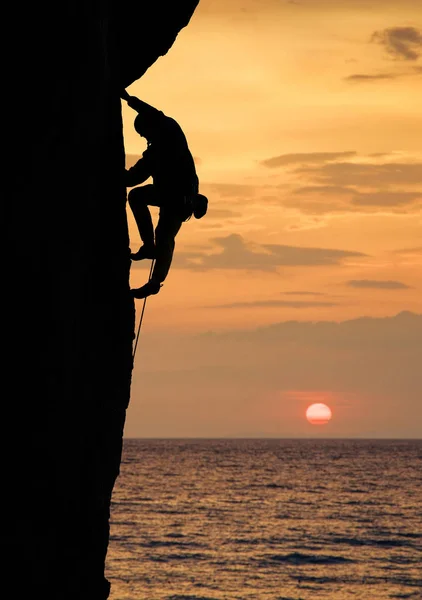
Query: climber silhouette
point(174, 190)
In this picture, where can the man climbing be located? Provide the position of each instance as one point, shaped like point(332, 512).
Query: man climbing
point(174, 190)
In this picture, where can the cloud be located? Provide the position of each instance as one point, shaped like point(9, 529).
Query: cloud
point(334, 188)
point(366, 355)
point(360, 332)
point(386, 199)
point(362, 77)
point(274, 303)
point(304, 157)
point(370, 77)
point(370, 184)
point(409, 251)
point(364, 174)
point(402, 43)
point(293, 255)
point(240, 382)
point(380, 285)
point(321, 199)
point(238, 254)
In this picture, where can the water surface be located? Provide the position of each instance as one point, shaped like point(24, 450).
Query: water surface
point(267, 519)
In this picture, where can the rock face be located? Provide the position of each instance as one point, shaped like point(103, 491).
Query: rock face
point(68, 319)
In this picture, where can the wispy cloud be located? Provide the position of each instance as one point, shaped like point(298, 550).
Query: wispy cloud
point(363, 332)
point(236, 253)
point(275, 304)
point(413, 251)
point(328, 184)
point(370, 184)
point(363, 77)
point(294, 255)
point(377, 284)
point(304, 157)
point(373, 77)
point(386, 199)
point(319, 203)
point(364, 174)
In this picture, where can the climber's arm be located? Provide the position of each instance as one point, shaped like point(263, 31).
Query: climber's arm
point(138, 173)
point(135, 103)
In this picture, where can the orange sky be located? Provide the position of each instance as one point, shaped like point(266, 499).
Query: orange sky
point(304, 118)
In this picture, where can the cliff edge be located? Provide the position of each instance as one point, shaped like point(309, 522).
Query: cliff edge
point(68, 318)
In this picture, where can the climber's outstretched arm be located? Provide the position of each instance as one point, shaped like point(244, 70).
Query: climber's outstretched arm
point(135, 103)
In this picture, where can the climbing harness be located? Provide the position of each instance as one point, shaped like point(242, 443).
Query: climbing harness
point(143, 310)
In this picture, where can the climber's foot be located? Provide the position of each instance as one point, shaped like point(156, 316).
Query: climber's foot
point(148, 289)
point(144, 252)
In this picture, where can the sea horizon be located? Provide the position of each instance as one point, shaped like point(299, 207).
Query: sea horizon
point(270, 438)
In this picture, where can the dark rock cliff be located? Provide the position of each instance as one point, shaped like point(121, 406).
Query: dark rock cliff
point(68, 319)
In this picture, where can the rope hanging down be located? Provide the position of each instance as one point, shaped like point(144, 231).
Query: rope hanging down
point(143, 310)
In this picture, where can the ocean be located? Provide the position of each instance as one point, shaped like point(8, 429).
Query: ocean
point(267, 519)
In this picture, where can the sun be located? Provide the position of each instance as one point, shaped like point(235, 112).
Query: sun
point(318, 414)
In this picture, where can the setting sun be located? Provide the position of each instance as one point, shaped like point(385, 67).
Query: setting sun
point(318, 414)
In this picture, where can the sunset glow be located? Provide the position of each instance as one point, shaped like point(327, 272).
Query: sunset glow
point(302, 285)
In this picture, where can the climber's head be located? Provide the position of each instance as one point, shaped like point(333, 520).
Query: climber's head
point(148, 122)
point(141, 125)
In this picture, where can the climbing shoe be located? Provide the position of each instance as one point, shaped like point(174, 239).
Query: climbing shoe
point(144, 252)
point(150, 288)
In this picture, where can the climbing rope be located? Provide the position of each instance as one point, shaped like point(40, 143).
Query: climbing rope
point(143, 310)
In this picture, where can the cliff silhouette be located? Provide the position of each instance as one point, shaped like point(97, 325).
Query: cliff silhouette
point(68, 317)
